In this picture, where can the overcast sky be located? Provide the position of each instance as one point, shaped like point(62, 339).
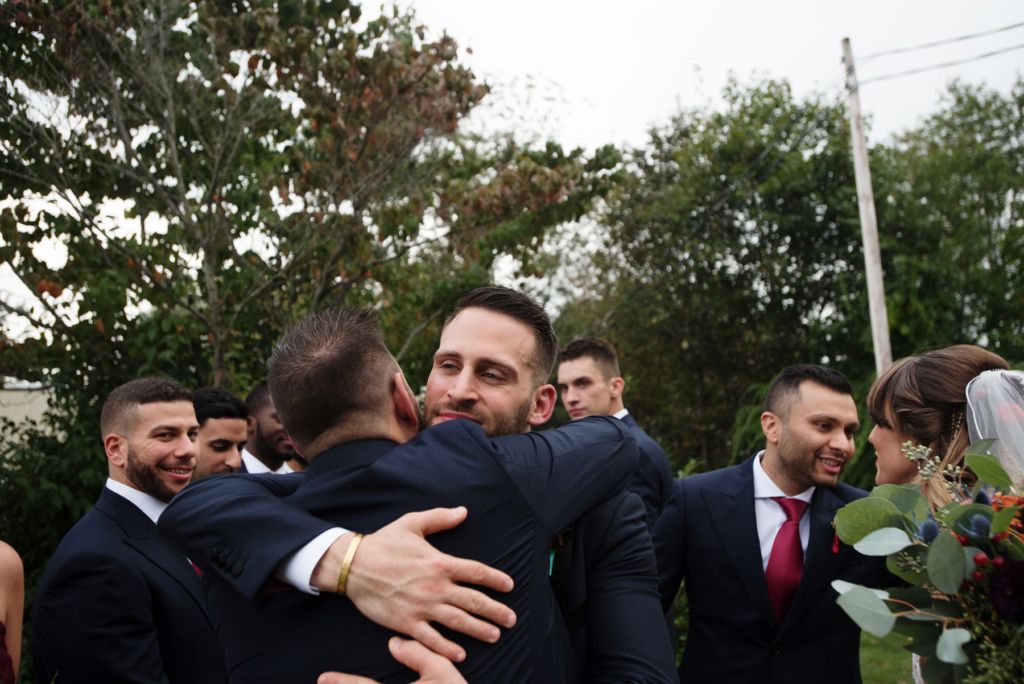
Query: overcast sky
point(618, 67)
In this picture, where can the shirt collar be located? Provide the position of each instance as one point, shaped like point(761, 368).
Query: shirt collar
point(256, 466)
point(765, 487)
point(621, 414)
point(149, 505)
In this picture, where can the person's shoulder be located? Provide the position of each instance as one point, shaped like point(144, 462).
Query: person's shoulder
point(848, 493)
point(712, 478)
point(10, 562)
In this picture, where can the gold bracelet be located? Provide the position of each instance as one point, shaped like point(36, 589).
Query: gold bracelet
point(347, 563)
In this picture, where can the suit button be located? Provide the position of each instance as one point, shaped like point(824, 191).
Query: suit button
point(776, 649)
point(236, 569)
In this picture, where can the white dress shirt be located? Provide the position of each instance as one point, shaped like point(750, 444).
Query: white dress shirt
point(149, 505)
point(769, 514)
point(256, 467)
point(621, 414)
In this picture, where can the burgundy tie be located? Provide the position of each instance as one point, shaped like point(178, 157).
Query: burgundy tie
point(786, 564)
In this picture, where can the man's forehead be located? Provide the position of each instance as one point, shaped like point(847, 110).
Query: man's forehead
point(159, 413)
point(484, 333)
point(576, 368)
point(812, 398)
point(229, 427)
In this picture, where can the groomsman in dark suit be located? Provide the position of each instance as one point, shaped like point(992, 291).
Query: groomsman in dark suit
point(756, 546)
point(268, 448)
point(118, 603)
point(488, 380)
point(223, 431)
point(591, 384)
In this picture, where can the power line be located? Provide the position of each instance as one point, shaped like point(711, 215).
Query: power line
point(940, 66)
point(897, 51)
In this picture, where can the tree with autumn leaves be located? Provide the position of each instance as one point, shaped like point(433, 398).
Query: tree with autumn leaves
point(215, 170)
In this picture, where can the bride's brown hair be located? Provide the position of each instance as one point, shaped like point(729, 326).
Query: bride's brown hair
point(923, 399)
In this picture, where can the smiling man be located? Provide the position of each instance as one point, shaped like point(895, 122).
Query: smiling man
point(756, 546)
point(223, 431)
point(118, 603)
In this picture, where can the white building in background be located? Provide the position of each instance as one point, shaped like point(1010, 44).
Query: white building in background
point(21, 400)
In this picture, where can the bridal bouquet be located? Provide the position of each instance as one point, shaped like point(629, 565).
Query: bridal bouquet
point(965, 609)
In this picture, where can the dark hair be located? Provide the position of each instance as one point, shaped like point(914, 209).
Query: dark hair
point(120, 410)
point(329, 370)
point(926, 398)
point(525, 309)
point(600, 351)
point(217, 402)
point(258, 397)
point(786, 387)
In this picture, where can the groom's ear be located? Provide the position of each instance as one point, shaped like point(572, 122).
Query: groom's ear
point(771, 425)
point(406, 406)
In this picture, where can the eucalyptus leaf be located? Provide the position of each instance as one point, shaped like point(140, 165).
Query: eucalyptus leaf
point(969, 553)
point(860, 518)
point(988, 469)
point(980, 447)
point(1002, 519)
point(946, 563)
point(919, 597)
point(842, 586)
point(883, 542)
point(920, 553)
point(934, 671)
point(869, 611)
point(949, 647)
point(909, 501)
point(1016, 548)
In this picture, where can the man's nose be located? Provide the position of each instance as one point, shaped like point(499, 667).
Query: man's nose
point(464, 390)
point(186, 447)
point(235, 459)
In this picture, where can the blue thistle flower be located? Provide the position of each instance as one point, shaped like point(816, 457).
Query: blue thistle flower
point(982, 498)
point(980, 527)
point(929, 531)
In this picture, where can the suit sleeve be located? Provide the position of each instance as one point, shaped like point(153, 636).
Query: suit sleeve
point(95, 624)
point(652, 480)
point(230, 523)
point(626, 637)
point(565, 472)
point(669, 540)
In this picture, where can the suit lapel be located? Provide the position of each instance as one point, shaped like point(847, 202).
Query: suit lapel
point(143, 536)
point(731, 509)
point(820, 564)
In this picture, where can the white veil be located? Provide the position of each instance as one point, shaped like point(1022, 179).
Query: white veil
point(995, 409)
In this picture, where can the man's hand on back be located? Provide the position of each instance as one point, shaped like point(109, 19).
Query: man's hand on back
point(433, 669)
point(398, 580)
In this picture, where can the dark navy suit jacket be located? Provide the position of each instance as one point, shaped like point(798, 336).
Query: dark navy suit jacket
point(118, 603)
point(521, 491)
point(708, 534)
point(652, 479)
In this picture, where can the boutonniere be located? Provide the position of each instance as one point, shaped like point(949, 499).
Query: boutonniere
point(835, 542)
point(557, 543)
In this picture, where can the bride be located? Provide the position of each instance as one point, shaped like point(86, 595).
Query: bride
point(945, 400)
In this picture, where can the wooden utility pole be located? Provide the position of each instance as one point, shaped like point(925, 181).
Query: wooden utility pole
point(868, 222)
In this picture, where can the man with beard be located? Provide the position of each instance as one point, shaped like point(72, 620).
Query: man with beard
point(522, 491)
point(223, 431)
point(268, 448)
point(756, 546)
point(118, 603)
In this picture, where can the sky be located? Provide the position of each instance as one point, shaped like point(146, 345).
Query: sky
point(589, 73)
point(604, 72)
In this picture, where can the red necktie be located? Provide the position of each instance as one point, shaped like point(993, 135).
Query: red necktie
point(786, 564)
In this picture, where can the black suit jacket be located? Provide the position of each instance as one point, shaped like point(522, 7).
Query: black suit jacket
point(652, 479)
point(708, 534)
point(521, 491)
point(118, 603)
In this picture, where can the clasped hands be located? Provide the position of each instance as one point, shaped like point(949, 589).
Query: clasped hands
point(398, 580)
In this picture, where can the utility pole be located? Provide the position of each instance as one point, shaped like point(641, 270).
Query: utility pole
point(868, 221)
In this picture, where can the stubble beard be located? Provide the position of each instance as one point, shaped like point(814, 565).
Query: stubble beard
point(267, 448)
point(499, 426)
point(800, 463)
point(146, 478)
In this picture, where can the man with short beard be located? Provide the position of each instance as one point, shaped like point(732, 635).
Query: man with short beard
point(118, 603)
point(757, 549)
point(223, 431)
point(268, 448)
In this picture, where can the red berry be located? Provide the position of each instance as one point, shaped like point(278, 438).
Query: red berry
point(965, 584)
point(964, 541)
point(978, 575)
point(998, 562)
point(980, 559)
